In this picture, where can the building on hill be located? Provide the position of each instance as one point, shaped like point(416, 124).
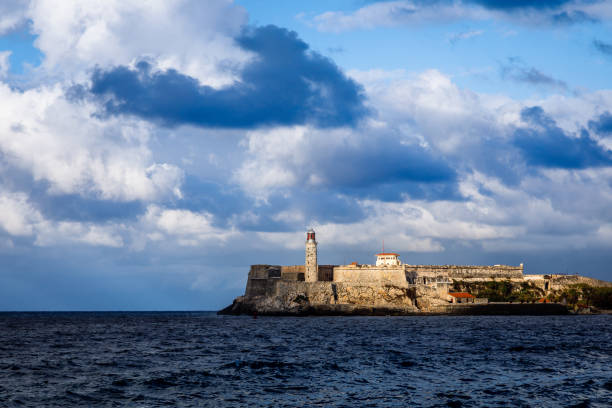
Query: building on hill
point(388, 270)
point(388, 258)
point(390, 286)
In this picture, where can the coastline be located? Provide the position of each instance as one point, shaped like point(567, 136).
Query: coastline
point(392, 287)
point(500, 309)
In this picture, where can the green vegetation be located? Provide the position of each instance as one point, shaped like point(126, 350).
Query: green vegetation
point(583, 294)
point(501, 291)
point(574, 296)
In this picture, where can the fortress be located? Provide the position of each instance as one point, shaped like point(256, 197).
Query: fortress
point(387, 287)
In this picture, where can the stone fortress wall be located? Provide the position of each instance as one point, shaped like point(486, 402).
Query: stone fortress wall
point(559, 282)
point(394, 275)
point(263, 280)
point(389, 287)
point(468, 272)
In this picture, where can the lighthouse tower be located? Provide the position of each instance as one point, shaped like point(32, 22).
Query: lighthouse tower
point(311, 265)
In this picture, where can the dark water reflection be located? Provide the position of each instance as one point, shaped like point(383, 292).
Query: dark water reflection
point(200, 359)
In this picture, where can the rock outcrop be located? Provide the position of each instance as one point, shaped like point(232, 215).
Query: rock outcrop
point(397, 290)
point(327, 298)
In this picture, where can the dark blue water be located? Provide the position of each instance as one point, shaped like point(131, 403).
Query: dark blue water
point(200, 359)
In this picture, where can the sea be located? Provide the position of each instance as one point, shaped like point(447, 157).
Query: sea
point(199, 359)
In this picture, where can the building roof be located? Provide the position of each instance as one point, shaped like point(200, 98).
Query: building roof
point(387, 253)
point(461, 295)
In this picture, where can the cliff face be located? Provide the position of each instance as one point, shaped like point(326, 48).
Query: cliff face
point(325, 298)
point(397, 289)
point(290, 297)
point(561, 282)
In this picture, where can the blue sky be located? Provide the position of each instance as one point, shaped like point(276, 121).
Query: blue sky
point(149, 153)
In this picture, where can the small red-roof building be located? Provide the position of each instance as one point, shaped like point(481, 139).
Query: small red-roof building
point(461, 297)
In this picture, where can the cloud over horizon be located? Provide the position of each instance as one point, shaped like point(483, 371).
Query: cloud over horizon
point(412, 13)
point(284, 84)
point(156, 149)
point(545, 144)
point(516, 70)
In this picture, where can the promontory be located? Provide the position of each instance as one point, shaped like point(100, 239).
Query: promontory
point(390, 287)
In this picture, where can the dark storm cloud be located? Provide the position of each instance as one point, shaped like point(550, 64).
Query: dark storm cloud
point(603, 47)
point(545, 144)
point(321, 205)
point(66, 207)
point(573, 17)
point(516, 70)
point(372, 164)
point(545, 7)
point(496, 4)
point(220, 200)
point(228, 205)
point(548, 10)
point(381, 167)
point(285, 84)
point(398, 191)
point(74, 207)
point(520, 4)
point(603, 124)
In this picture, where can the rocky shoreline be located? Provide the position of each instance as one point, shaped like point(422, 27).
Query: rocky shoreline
point(242, 307)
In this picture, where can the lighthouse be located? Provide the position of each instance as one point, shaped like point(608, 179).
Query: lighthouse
point(311, 266)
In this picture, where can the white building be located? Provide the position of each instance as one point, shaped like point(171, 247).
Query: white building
point(388, 258)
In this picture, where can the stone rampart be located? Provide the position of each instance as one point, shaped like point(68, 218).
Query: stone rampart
point(261, 271)
point(559, 282)
point(279, 296)
point(468, 272)
point(326, 273)
point(293, 273)
point(425, 274)
point(392, 275)
point(563, 281)
point(368, 289)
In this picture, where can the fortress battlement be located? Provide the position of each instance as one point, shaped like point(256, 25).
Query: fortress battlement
point(389, 286)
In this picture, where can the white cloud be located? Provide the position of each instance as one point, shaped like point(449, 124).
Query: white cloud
point(409, 226)
point(64, 232)
point(275, 153)
point(552, 208)
point(5, 64)
point(538, 214)
point(185, 227)
point(396, 13)
point(407, 13)
point(428, 110)
point(166, 227)
point(12, 14)
point(65, 144)
point(393, 13)
point(464, 35)
point(431, 105)
point(18, 217)
point(190, 36)
point(285, 157)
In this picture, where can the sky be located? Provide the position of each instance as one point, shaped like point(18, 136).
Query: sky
point(150, 151)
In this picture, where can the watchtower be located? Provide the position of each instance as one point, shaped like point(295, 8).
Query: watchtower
point(311, 266)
